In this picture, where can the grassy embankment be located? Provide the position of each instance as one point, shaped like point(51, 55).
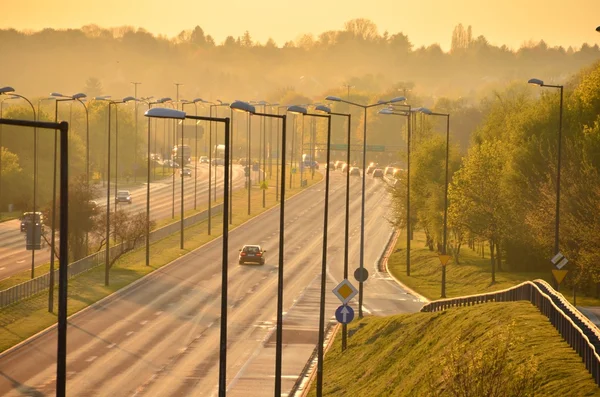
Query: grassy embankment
point(404, 355)
point(471, 276)
point(26, 318)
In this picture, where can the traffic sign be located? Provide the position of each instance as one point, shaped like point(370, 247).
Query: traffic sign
point(444, 259)
point(345, 291)
point(375, 148)
point(559, 260)
point(361, 274)
point(559, 275)
point(344, 314)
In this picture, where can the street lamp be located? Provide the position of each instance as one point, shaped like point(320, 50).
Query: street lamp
point(362, 218)
point(327, 110)
point(195, 103)
point(301, 110)
point(444, 242)
point(262, 153)
point(251, 110)
point(540, 83)
point(107, 255)
point(11, 91)
point(179, 115)
point(147, 101)
point(63, 127)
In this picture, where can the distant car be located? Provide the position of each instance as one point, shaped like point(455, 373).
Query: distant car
point(345, 167)
point(93, 204)
point(171, 164)
point(398, 173)
point(389, 170)
point(339, 164)
point(203, 160)
point(332, 165)
point(243, 161)
point(28, 217)
point(311, 164)
point(354, 171)
point(218, 162)
point(377, 173)
point(123, 196)
point(185, 172)
point(252, 254)
point(371, 167)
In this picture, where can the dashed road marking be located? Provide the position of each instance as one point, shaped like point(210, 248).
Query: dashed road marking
point(129, 333)
point(90, 359)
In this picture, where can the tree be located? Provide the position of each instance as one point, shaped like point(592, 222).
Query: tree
point(361, 29)
point(11, 177)
point(93, 87)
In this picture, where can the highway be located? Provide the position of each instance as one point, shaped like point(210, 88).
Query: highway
point(15, 258)
point(161, 335)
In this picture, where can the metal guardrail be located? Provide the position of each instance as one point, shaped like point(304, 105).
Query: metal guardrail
point(36, 285)
point(578, 332)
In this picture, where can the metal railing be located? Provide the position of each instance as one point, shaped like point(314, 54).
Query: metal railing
point(36, 285)
point(580, 333)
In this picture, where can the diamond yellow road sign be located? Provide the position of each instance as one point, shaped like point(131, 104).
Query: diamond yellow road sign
point(345, 291)
point(444, 259)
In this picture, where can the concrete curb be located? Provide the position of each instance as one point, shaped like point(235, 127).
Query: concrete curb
point(400, 283)
point(126, 289)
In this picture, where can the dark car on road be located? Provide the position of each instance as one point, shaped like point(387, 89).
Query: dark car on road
point(185, 172)
point(123, 196)
point(377, 173)
point(28, 217)
point(203, 160)
point(354, 171)
point(252, 254)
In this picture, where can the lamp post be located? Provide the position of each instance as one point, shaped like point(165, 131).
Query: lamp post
point(278, 160)
point(147, 101)
point(179, 115)
point(195, 103)
point(444, 241)
point(11, 91)
point(63, 127)
point(557, 216)
point(301, 110)
point(362, 218)
point(327, 110)
point(135, 84)
point(263, 152)
point(1, 107)
point(107, 251)
point(251, 110)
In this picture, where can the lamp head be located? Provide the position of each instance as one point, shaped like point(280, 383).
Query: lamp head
point(102, 98)
point(333, 98)
point(6, 89)
point(598, 29)
point(386, 111)
point(79, 95)
point(197, 100)
point(165, 113)
point(323, 108)
point(58, 95)
point(129, 99)
point(424, 110)
point(241, 106)
point(397, 99)
point(296, 109)
point(163, 100)
point(536, 82)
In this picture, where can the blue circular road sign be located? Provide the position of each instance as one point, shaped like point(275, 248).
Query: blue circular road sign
point(344, 314)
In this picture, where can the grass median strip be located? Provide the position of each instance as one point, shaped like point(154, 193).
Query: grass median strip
point(419, 354)
point(24, 319)
point(471, 276)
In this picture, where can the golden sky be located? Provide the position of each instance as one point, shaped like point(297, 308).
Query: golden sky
point(510, 22)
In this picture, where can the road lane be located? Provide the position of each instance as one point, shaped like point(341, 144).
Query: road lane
point(161, 336)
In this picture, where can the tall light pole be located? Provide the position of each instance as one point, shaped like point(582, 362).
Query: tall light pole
point(540, 83)
point(246, 107)
point(195, 103)
point(362, 212)
point(11, 91)
point(162, 100)
point(179, 115)
point(301, 110)
point(108, 198)
point(263, 152)
point(135, 153)
point(327, 110)
point(1, 106)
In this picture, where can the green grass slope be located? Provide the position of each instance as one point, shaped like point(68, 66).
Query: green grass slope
point(404, 355)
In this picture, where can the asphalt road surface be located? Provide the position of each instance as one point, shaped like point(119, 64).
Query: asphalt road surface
point(161, 336)
point(15, 258)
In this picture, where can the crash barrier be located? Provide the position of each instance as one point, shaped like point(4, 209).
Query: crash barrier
point(38, 284)
point(576, 329)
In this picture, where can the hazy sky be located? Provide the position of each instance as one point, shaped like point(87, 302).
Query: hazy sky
point(510, 22)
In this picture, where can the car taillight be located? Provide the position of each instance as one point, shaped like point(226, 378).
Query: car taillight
point(242, 254)
point(259, 254)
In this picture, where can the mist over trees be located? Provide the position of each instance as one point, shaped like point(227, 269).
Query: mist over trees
point(241, 67)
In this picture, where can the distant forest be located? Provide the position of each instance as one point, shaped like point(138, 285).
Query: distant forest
point(36, 63)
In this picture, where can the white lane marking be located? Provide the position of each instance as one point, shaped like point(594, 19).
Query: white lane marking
point(129, 333)
point(144, 322)
point(21, 261)
point(89, 360)
point(158, 313)
point(111, 346)
point(2, 268)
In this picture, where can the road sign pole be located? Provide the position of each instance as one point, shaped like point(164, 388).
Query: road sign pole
point(443, 281)
point(347, 226)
